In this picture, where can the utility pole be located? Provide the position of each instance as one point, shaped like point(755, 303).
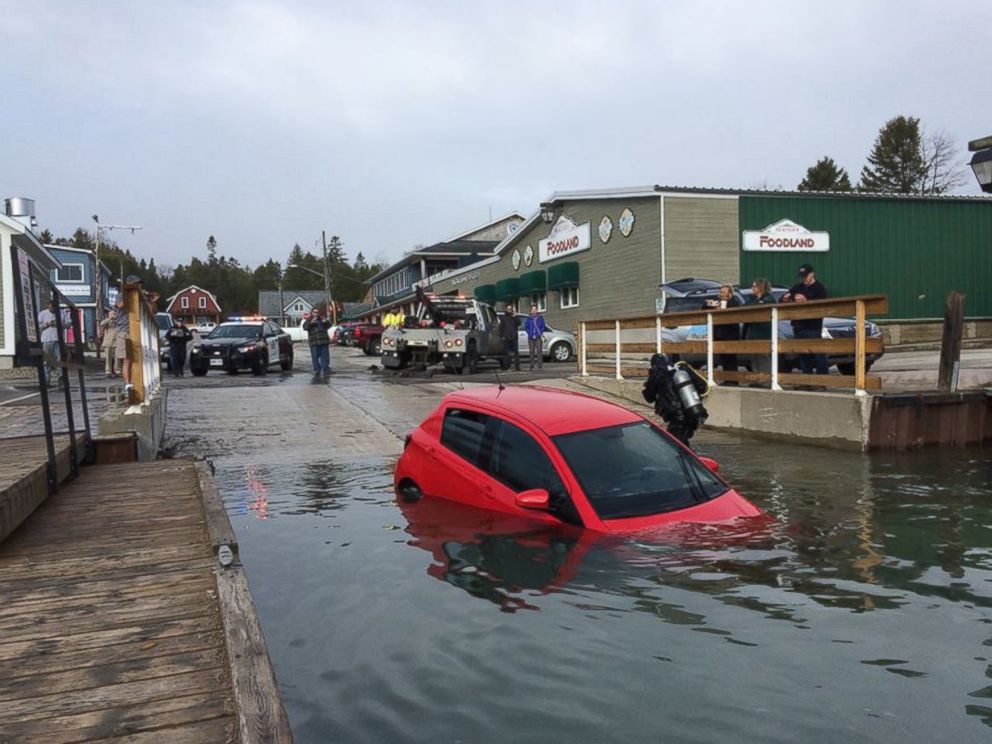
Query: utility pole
point(98, 275)
point(327, 280)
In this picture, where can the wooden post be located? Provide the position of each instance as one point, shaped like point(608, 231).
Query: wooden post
point(709, 349)
point(583, 341)
point(657, 334)
point(617, 327)
point(859, 346)
point(950, 344)
point(133, 302)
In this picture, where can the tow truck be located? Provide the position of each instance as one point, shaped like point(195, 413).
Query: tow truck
point(452, 330)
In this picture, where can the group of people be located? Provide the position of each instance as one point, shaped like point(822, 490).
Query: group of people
point(807, 288)
point(534, 327)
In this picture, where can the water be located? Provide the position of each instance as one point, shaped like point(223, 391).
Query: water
point(864, 613)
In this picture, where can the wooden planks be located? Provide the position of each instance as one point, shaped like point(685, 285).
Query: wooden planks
point(110, 624)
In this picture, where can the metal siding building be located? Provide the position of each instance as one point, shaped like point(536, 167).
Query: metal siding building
point(914, 250)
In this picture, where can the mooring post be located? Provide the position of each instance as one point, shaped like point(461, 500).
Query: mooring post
point(950, 344)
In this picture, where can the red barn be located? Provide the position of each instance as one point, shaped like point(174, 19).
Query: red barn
point(194, 305)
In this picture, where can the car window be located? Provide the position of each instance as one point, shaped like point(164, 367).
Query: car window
point(685, 304)
point(519, 462)
point(463, 433)
point(635, 470)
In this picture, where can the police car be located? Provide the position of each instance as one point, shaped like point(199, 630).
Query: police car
point(254, 343)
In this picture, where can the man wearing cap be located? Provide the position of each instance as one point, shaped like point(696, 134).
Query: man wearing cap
point(807, 289)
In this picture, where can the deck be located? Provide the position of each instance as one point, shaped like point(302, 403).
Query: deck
point(118, 621)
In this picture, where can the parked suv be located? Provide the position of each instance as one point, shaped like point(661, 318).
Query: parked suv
point(687, 295)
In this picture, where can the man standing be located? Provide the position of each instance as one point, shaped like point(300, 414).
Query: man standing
point(316, 327)
point(179, 335)
point(508, 332)
point(48, 323)
point(535, 327)
point(807, 289)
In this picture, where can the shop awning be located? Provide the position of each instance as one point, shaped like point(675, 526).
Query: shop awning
point(508, 289)
point(486, 293)
point(563, 275)
point(533, 282)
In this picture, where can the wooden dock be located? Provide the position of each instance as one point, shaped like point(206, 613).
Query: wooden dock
point(119, 622)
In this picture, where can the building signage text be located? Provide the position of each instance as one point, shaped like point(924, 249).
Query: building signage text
point(565, 239)
point(786, 236)
point(455, 281)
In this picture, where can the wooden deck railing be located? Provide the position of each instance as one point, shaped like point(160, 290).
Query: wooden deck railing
point(146, 369)
point(858, 346)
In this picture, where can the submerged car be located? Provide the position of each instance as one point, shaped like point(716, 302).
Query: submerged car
point(561, 458)
point(243, 343)
point(687, 295)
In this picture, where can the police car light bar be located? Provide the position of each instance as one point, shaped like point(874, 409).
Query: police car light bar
point(241, 318)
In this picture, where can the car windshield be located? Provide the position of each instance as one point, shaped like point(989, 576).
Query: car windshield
point(634, 470)
point(164, 322)
point(236, 331)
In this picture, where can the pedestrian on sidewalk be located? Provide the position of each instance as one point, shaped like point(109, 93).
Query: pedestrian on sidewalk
point(316, 327)
point(108, 329)
point(508, 332)
point(535, 327)
point(808, 288)
point(179, 335)
point(51, 348)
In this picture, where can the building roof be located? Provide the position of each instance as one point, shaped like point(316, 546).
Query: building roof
point(656, 190)
point(268, 300)
point(52, 248)
point(187, 289)
point(447, 248)
point(23, 233)
point(480, 228)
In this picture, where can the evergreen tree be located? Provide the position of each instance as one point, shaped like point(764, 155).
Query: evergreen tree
point(211, 249)
point(826, 175)
point(897, 163)
point(46, 237)
point(361, 265)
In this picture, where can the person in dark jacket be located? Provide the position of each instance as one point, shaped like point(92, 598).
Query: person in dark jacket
point(808, 288)
point(508, 332)
point(761, 290)
point(725, 332)
point(316, 327)
point(178, 336)
point(535, 326)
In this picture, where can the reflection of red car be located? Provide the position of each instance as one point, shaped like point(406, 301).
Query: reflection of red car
point(559, 457)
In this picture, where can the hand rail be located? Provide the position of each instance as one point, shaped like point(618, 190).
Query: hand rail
point(859, 345)
point(146, 365)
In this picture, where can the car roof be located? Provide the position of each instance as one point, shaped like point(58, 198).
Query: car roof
point(551, 410)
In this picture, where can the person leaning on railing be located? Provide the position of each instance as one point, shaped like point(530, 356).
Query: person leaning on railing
point(760, 331)
point(808, 288)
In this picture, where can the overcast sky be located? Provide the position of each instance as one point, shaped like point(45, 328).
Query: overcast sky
point(397, 123)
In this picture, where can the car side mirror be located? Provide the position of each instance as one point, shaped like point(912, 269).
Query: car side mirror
point(534, 498)
point(710, 463)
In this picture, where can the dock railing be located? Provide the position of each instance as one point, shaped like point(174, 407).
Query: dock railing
point(146, 369)
point(619, 331)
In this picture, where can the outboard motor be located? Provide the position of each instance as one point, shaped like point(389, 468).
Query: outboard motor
point(676, 392)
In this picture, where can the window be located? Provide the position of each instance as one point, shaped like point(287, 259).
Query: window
point(298, 308)
point(70, 273)
point(634, 470)
point(184, 302)
point(569, 297)
point(463, 432)
point(203, 303)
point(524, 303)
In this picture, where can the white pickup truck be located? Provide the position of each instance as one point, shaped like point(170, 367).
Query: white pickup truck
point(298, 335)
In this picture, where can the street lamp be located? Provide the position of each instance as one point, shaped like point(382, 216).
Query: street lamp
point(981, 162)
point(548, 212)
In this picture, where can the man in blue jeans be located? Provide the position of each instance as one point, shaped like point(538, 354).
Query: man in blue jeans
point(807, 289)
point(316, 327)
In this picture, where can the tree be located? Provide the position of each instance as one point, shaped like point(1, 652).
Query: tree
point(826, 175)
point(944, 172)
point(897, 163)
point(46, 237)
point(211, 249)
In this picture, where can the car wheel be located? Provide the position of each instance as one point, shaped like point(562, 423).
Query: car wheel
point(375, 348)
point(561, 352)
point(471, 360)
point(261, 364)
point(410, 491)
point(288, 364)
point(845, 368)
point(198, 371)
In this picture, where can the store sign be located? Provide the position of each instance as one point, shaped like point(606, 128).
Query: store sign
point(785, 236)
point(74, 290)
point(564, 239)
point(29, 308)
point(472, 276)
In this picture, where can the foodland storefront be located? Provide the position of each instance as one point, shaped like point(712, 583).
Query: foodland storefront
point(604, 254)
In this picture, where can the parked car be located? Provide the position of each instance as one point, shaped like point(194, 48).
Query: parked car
point(203, 328)
point(165, 322)
point(559, 346)
point(561, 458)
point(249, 343)
point(692, 294)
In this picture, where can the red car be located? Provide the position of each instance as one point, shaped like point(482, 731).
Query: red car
point(561, 458)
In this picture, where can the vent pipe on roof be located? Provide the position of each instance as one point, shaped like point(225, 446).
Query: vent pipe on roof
point(22, 210)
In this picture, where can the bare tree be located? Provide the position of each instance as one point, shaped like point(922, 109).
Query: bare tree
point(944, 172)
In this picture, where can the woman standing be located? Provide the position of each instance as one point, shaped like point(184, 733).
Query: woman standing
point(760, 331)
point(109, 328)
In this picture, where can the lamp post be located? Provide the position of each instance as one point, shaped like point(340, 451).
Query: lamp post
point(981, 162)
point(548, 212)
point(97, 276)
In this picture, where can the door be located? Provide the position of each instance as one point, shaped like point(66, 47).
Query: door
point(453, 469)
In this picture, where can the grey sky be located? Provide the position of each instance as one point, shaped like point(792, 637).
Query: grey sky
point(396, 123)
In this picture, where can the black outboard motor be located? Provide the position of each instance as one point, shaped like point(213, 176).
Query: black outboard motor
point(676, 392)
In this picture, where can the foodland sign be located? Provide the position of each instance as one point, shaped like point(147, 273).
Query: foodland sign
point(564, 239)
point(785, 236)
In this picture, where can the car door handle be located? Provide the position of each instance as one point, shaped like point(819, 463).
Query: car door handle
point(486, 490)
